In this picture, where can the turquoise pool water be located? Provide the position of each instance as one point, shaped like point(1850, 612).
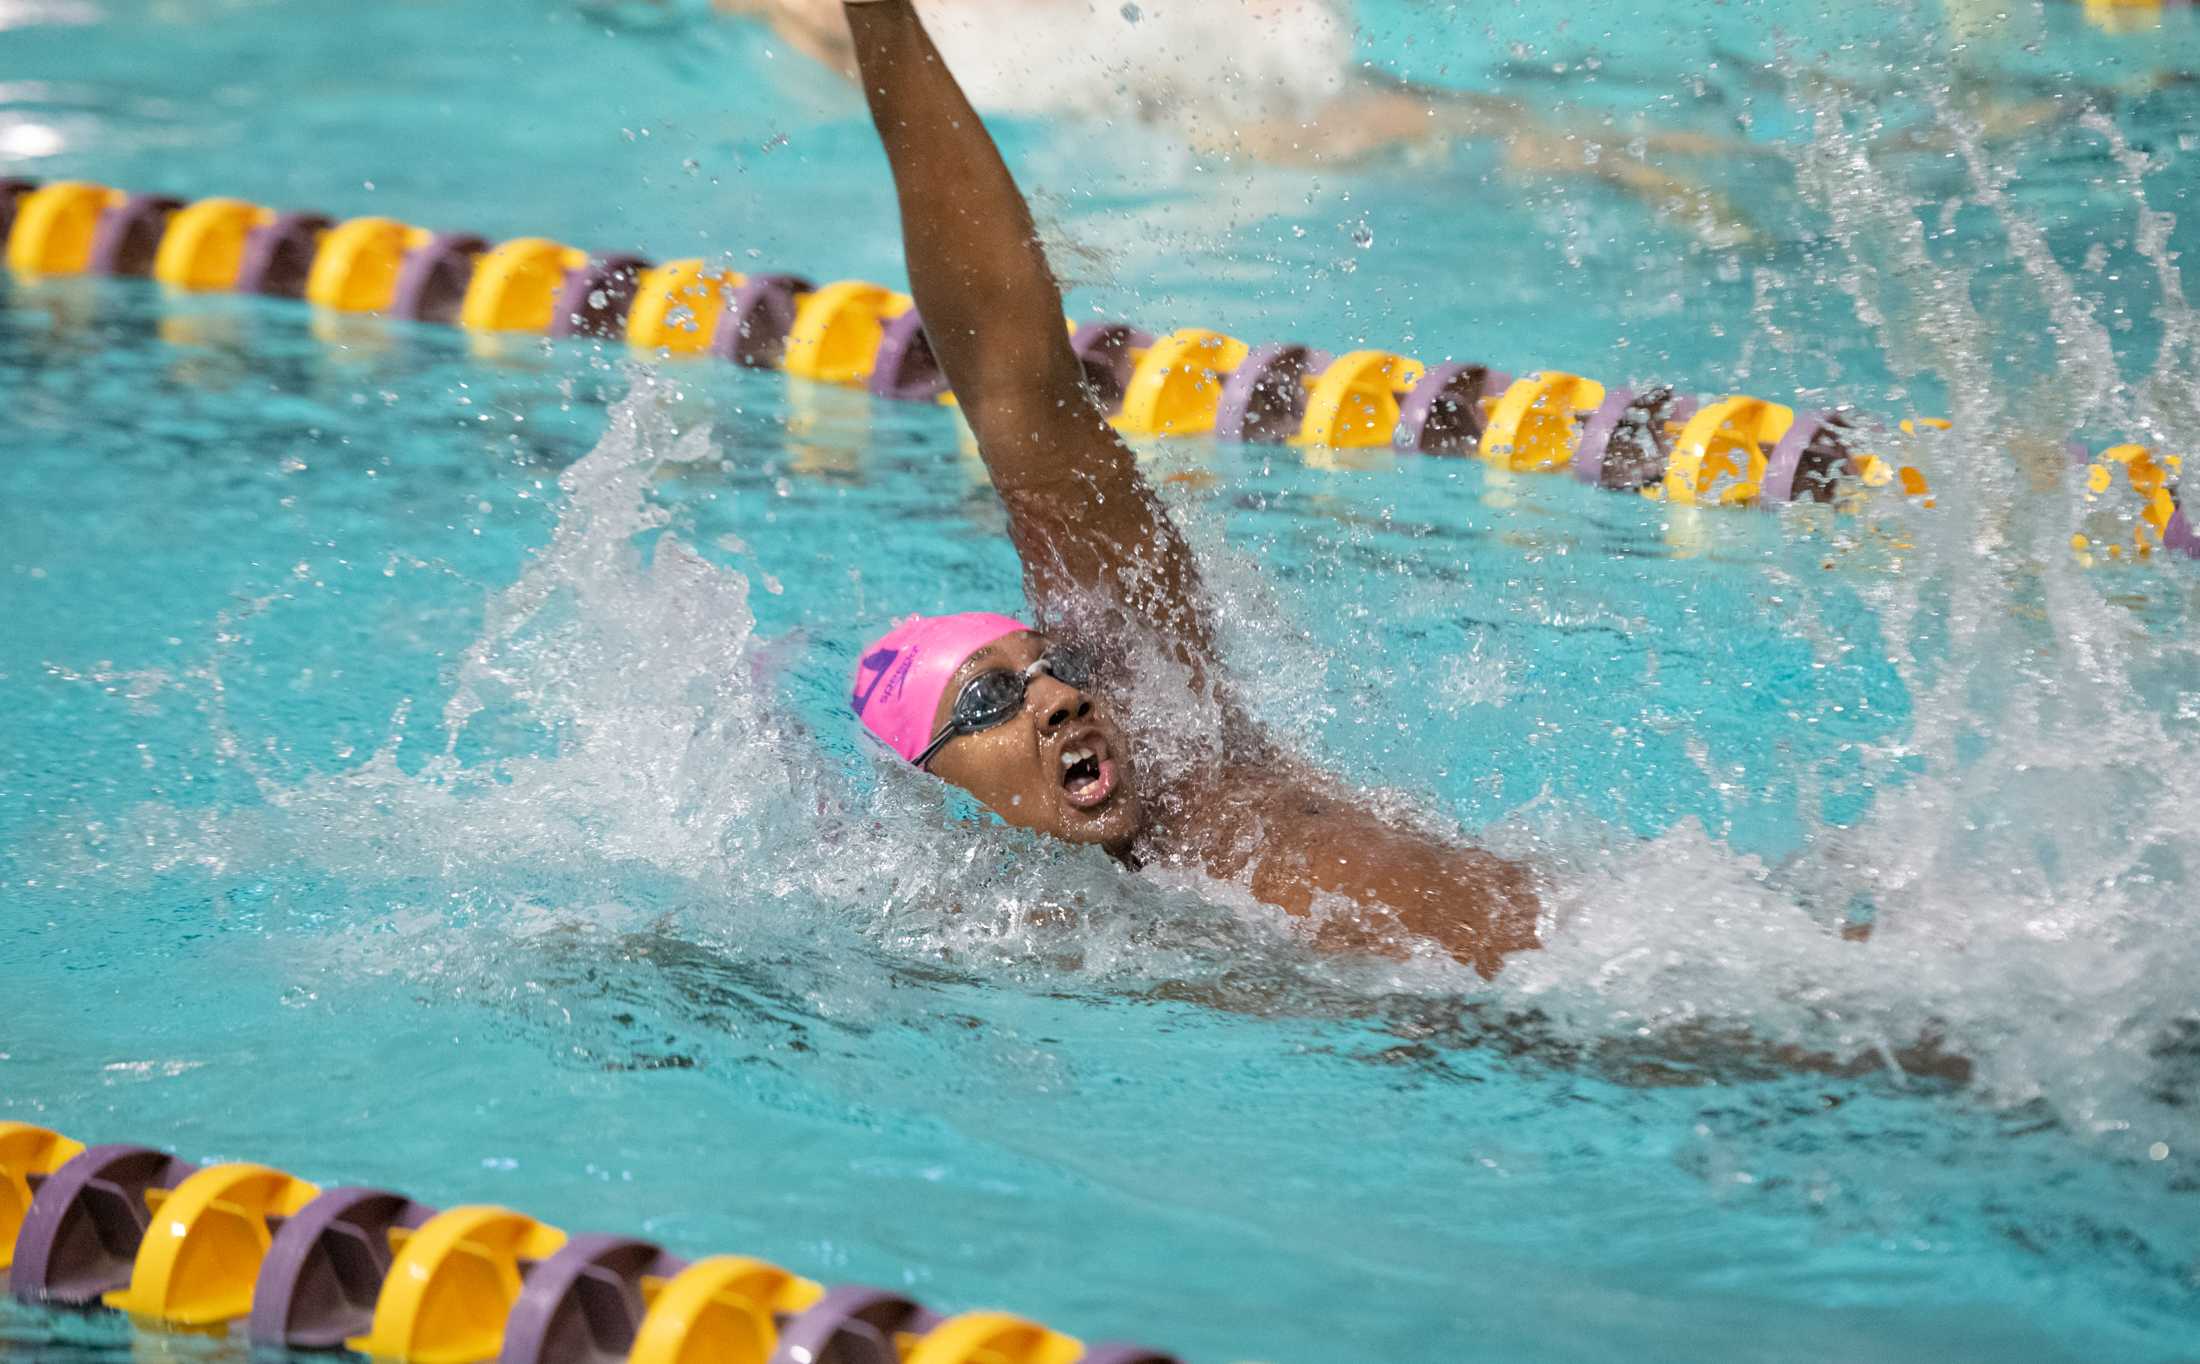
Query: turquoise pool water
point(425, 767)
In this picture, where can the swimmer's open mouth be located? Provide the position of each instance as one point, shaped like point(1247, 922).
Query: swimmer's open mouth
point(1088, 771)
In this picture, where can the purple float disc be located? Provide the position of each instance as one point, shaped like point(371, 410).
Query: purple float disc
point(904, 367)
point(1442, 414)
point(752, 331)
point(12, 188)
point(2178, 534)
point(1104, 350)
point(1111, 1353)
point(2079, 454)
point(279, 255)
point(593, 300)
point(1604, 423)
point(128, 235)
point(325, 1266)
point(851, 1324)
point(1786, 459)
point(80, 1236)
point(431, 284)
point(584, 1303)
point(1596, 434)
point(1264, 399)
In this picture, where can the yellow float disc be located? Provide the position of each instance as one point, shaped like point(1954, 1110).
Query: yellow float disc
point(1176, 388)
point(203, 1248)
point(1355, 401)
point(515, 285)
point(1534, 426)
point(203, 247)
point(993, 1338)
point(837, 330)
point(452, 1284)
point(355, 268)
point(1722, 451)
point(54, 225)
point(26, 1153)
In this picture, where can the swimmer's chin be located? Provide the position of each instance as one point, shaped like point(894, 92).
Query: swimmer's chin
point(1081, 786)
point(1096, 798)
point(1113, 822)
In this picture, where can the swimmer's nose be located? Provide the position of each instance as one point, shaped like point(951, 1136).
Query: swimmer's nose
point(1055, 702)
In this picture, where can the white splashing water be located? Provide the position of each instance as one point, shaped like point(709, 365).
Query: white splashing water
point(2033, 886)
point(2030, 887)
point(1223, 63)
point(616, 756)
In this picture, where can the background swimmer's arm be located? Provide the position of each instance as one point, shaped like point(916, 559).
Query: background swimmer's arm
point(1082, 517)
point(813, 28)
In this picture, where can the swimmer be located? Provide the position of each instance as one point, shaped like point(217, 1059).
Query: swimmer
point(1025, 718)
point(1274, 80)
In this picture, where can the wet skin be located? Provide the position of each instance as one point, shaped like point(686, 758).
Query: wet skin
point(1266, 819)
point(1097, 545)
point(1017, 767)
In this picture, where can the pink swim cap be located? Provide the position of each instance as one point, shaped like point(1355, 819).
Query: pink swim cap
point(901, 677)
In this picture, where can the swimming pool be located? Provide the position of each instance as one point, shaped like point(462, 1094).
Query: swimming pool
point(386, 800)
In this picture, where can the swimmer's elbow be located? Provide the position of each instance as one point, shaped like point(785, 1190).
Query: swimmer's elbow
point(1039, 434)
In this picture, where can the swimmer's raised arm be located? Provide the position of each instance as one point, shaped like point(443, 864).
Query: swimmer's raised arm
point(1081, 516)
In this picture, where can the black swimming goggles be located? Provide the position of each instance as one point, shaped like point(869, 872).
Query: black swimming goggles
point(993, 697)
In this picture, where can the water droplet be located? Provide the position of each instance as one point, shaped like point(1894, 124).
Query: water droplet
point(1131, 12)
point(1363, 236)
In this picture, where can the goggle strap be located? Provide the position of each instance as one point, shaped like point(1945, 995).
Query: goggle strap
point(939, 741)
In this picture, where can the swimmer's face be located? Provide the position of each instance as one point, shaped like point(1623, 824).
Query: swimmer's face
point(1060, 765)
